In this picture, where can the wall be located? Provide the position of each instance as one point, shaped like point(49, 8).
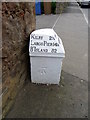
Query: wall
point(18, 21)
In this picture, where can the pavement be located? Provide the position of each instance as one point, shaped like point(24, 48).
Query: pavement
point(70, 98)
point(73, 30)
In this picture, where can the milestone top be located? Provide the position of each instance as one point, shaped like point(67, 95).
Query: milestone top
point(45, 42)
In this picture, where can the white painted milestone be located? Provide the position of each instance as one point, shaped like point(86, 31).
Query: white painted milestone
point(45, 49)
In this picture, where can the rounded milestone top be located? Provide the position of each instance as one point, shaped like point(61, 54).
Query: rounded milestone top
point(45, 42)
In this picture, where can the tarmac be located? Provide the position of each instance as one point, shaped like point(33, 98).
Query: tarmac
point(69, 99)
